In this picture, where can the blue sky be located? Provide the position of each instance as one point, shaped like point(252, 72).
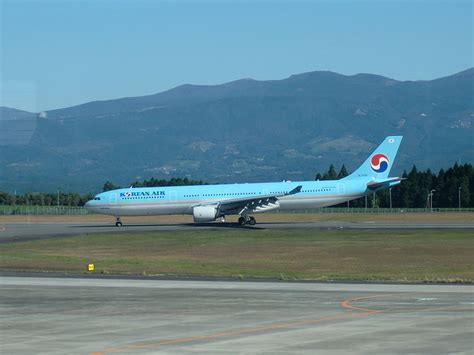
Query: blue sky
point(60, 53)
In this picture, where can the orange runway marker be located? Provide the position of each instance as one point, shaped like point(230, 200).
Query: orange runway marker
point(255, 330)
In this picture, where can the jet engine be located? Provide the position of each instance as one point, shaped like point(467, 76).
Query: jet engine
point(204, 214)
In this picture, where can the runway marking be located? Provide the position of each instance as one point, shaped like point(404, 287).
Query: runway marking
point(344, 303)
point(347, 303)
point(255, 330)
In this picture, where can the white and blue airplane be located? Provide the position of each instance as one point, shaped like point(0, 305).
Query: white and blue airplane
point(208, 203)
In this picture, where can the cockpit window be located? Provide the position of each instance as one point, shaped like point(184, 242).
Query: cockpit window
point(97, 198)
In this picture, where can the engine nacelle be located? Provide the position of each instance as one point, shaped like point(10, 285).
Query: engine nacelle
point(204, 214)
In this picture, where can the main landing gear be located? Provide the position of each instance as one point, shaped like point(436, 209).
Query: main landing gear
point(118, 223)
point(247, 220)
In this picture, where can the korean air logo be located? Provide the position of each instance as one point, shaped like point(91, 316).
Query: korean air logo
point(379, 163)
point(127, 194)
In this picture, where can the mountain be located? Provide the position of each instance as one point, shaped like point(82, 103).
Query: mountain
point(245, 130)
point(16, 126)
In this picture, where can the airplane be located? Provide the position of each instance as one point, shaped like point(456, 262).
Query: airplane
point(208, 203)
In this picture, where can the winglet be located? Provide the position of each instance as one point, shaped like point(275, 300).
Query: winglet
point(295, 190)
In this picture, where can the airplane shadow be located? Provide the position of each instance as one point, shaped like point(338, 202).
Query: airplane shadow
point(174, 226)
point(224, 225)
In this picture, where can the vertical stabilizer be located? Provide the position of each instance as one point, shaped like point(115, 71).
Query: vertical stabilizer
point(379, 163)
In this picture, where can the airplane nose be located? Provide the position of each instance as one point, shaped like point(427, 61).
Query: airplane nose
point(87, 205)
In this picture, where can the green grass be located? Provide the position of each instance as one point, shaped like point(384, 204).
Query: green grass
point(413, 256)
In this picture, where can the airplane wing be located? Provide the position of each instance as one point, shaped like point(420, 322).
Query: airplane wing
point(373, 185)
point(252, 204)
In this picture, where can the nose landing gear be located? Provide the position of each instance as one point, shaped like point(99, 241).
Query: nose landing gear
point(118, 223)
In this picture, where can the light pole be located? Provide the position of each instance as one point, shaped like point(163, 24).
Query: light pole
point(58, 197)
point(431, 199)
point(390, 196)
point(459, 197)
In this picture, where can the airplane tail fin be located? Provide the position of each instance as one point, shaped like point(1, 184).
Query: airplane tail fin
point(379, 163)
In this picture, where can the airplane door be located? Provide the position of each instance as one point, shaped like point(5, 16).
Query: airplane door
point(173, 196)
point(265, 192)
point(341, 188)
point(113, 198)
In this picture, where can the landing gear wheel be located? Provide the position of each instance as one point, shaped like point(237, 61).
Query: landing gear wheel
point(252, 221)
point(118, 223)
point(242, 221)
point(222, 219)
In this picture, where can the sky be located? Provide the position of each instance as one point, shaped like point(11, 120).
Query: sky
point(57, 54)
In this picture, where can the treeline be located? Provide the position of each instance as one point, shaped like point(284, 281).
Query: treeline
point(45, 199)
point(156, 182)
point(449, 188)
point(331, 174)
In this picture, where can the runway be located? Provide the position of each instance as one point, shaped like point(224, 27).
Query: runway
point(103, 316)
point(39, 230)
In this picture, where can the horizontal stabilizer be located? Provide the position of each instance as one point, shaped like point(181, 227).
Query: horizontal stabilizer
point(386, 183)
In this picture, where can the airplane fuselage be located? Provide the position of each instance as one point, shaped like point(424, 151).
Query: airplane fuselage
point(182, 199)
point(208, 202)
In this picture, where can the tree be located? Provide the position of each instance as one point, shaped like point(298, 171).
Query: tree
point(108, 186)
point(331, 173)
point(465, 192)
point(342, 172)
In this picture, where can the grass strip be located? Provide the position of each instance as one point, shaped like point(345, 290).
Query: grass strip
point(410, 256)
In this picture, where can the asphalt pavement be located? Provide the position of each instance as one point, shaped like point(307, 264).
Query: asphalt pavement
point(101, 316)
point(14, 231)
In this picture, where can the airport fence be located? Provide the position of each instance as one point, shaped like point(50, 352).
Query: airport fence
point(69, 210)
point(368, 210)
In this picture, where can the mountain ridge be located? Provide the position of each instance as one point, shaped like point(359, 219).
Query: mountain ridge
point(243, 130)
point(466, 72)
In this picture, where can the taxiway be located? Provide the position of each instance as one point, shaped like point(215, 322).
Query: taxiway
point(103, 316)
point(15, 231)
